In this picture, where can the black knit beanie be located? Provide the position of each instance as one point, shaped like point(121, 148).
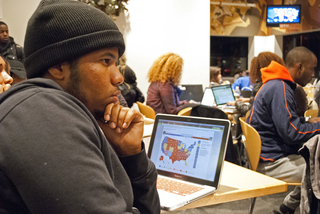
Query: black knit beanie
point(63, 30)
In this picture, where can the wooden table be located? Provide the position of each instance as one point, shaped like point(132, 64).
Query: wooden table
point(239, 183)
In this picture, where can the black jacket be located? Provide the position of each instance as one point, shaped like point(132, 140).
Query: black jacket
point(54, 158)
point(12, 50)
point(129, 89)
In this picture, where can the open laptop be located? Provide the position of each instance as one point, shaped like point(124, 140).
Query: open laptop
point(207, 97)
point(191, 92)
point(189, 151)
point(223, 94)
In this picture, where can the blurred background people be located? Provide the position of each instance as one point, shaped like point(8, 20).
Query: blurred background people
point(17, 71)
point(262, 60)
point(130, 93)
point(164, 77)
point(242, 82)
point(129, 89)
point(5, 78)
point(8, 48)
point(240, 74)
point(216, 77)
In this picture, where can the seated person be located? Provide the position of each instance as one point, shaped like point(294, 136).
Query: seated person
point(239, 74)
point(274, 116)
point(316, 95)
point(76, 149)
point(243, 105)
point(129, 90)
point(242, 82)
point(17, 71)
point(216, 77)
point(5, 78)
point(164, 77)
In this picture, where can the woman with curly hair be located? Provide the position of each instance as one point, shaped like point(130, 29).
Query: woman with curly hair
point(261, 61)
point(164, 77)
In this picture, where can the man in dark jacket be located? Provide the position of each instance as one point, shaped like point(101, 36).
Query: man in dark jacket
point(67, 146)
point(8, 48)
point(282, 131)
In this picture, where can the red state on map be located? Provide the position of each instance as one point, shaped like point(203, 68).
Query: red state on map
point(178, 153)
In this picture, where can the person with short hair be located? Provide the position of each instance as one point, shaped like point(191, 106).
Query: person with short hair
point(242, 82)
point(8, 48)
point(77, 150)
point(274, 115)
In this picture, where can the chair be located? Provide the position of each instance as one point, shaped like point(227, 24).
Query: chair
point(246, 93)
point(146, 110)
point(185, 111)
point(311, 113)
point(252, 142)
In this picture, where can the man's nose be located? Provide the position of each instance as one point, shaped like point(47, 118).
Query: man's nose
point(116, 77)
point(7, 79)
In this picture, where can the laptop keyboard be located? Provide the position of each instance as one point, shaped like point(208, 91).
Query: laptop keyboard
point(176, 187)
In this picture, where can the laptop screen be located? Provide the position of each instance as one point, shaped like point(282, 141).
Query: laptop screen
point(222, 94)
point(207, 98)
point(191, 92)
point(189, 147)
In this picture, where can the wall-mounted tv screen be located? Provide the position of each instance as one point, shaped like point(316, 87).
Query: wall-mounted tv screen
point(283, 14)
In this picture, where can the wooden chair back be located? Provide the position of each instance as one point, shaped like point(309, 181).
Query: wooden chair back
point(252, 143)
point(146, 110)
point(185, 111)
point(311, 113)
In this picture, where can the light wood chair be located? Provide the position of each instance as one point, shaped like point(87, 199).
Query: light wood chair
point(311, 113)
point(185, 111)
point(252, 142)
point(146, 110)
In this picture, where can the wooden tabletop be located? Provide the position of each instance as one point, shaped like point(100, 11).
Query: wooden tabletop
point(239, 183)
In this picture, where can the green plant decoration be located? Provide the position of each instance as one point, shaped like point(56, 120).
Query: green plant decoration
point(112, 8)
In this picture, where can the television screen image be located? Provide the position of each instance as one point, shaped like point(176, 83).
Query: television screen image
point(283, 14)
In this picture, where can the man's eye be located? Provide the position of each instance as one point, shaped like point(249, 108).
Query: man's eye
point(106, 61)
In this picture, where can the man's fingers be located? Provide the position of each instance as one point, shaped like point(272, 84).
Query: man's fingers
point(132, 116)
point(6, 87)
point(122, 116)
point(107, 112)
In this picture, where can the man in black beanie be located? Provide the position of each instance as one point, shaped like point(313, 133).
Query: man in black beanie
point(67, 146)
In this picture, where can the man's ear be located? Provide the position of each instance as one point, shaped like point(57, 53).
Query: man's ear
point(56, 72)
point(298, 68)
point(60, 71)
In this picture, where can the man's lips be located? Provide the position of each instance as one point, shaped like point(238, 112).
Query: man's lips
point(117, 94)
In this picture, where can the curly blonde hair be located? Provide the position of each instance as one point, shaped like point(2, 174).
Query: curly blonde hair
point(167, 67)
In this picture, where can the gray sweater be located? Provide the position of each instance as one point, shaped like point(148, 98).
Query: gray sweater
point(55, 159)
